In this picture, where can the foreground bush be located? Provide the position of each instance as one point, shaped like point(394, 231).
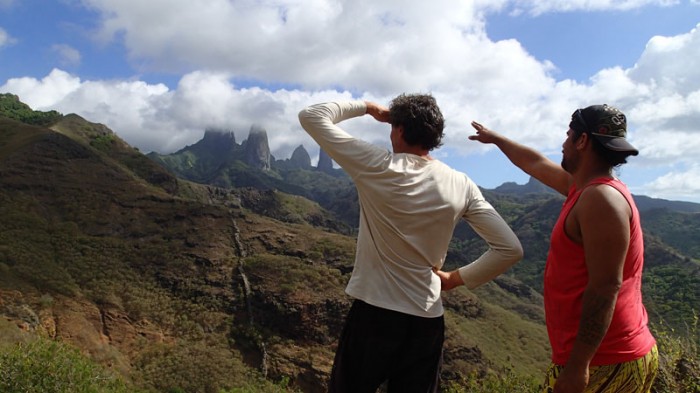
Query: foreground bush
point(46, 366)
point(679, 358)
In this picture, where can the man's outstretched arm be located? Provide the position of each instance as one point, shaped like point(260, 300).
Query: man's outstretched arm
point(529, 160)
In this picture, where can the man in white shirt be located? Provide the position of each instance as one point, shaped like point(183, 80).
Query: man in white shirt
point(410, 204)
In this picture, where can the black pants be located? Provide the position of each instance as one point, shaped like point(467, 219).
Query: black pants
point(379, 345)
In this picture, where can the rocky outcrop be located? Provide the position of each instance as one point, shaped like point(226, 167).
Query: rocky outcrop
point(300, 158)
point(257, 149)
point(325, 163)
point(533, 186)
point(217, 142)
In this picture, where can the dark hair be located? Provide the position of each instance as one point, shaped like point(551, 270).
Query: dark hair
point(611, 157)
point(420, 118)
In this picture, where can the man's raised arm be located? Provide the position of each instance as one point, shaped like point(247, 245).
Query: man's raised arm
point(529, 160)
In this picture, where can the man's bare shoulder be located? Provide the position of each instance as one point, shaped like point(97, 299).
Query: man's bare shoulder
point(603, 201)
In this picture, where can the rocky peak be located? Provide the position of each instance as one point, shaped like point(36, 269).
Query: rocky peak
point(218, 140)
point(257, 148)
point(300, 158)
point(532, 186)
point(219, 134)
point(325, 163)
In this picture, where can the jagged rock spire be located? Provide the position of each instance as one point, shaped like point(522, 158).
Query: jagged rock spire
point(219, 142)
point(325, 163)
point(300, 158)
point(257, 148)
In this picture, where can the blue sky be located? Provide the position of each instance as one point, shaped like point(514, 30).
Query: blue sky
point(160, 72)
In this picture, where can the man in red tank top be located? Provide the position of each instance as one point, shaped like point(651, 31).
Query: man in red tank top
point(596, 321)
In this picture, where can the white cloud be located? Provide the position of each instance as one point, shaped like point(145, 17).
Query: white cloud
point(676, 184)
point(311, 43)
point(5, 39)
point(67, 55)
point(667, 115)
point(45, 92)
point(666, 64)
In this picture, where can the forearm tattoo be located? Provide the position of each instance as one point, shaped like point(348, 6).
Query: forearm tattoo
point(595, 318)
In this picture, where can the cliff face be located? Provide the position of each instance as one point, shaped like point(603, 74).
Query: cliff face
point(325, 163)
point(220, 143)
point(257, 149)
point(300, 158)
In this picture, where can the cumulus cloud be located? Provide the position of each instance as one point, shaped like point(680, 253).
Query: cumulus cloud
point(680, 184)
point(313, 44)
point(666, 65)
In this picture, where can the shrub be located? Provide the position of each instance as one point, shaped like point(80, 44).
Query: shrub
point(46, 366)
point(679, 359)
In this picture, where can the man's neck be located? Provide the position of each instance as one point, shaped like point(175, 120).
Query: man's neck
point(583, 177)
point(415, 150)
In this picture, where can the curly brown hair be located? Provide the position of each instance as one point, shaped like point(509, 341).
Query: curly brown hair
point(421, 119)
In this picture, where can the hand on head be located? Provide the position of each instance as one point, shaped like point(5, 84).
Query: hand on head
point(378, 112)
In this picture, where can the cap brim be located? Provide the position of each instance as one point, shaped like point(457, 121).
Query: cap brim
point(617, 143)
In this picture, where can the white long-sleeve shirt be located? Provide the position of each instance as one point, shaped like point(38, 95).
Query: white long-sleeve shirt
point(409, 207)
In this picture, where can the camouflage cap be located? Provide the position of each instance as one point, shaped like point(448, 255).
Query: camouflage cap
point(607, 124)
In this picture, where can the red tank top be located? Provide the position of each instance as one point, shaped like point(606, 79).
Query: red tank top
point(565, 278)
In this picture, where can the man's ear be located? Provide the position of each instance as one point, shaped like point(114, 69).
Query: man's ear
point(582, 140)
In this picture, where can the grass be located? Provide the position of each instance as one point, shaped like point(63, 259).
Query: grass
point(45, 366)
point(679, 358)
point(505, 340)
point(679, 368)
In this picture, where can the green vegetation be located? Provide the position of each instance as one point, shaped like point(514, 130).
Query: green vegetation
point(192, 367)
point(679, 358)
point(672, 294)
point(494, 330)
point(46, 366)
point(677, 229)
point(13, 108)
point(299, 276)
point(42, 365)
point(504, 382)
point(679, 369)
